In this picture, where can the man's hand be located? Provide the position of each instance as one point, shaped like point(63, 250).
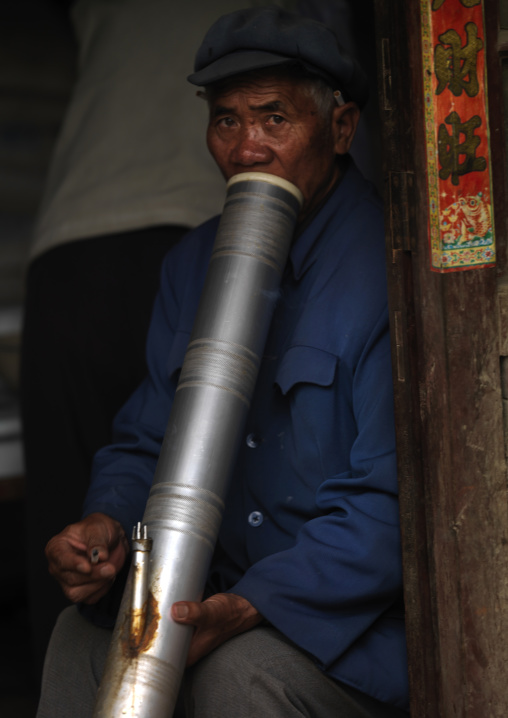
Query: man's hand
point(85, 557)
point(217, 619)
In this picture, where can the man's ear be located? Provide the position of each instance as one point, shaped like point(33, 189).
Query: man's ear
point(345, 122)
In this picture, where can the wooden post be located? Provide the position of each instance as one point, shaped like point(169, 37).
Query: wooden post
point(446, 358)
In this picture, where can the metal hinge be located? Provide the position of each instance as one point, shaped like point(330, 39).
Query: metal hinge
point(402, 210)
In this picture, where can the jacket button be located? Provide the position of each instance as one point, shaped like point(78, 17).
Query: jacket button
point(253, 441)
point(255, 518)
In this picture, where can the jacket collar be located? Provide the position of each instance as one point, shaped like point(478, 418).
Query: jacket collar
point(304, 249)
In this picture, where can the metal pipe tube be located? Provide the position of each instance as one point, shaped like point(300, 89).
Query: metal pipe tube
point(186, 502)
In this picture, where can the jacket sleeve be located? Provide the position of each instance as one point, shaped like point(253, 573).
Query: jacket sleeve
point(122, 473)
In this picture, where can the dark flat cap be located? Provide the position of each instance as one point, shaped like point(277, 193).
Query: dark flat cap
point(265, 37)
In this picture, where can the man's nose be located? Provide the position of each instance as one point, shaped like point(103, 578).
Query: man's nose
point(251, 148)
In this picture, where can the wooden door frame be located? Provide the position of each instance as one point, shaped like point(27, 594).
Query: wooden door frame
point(445, 345)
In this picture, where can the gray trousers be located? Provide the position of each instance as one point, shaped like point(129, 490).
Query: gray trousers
point(258, 673)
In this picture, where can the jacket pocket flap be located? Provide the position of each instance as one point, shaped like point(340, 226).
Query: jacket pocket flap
point(306, 365)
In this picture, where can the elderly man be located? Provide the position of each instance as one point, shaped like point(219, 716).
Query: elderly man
point(304, 612)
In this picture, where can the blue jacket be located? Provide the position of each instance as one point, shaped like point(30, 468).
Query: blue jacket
point(310, 534)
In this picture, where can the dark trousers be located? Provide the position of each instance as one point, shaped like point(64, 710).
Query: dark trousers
point(87, 311)
point(258, 673)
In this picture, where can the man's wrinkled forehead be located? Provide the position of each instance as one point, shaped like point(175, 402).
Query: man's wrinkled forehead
point(274, 88)
point(221, 106)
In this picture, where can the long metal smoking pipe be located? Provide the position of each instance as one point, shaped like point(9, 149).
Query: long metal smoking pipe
point(173, 549)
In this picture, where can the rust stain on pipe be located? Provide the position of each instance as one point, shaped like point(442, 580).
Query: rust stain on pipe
point(140, 628)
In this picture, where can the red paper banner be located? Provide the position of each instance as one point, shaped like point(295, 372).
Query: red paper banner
point(457, 135)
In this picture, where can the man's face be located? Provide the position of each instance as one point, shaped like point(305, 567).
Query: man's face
point(272, 125)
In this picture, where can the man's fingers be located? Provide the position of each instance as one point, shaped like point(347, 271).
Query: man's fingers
point(88, 593)
point(217, 610)
point(202, 615)
point(85, 557)
point(65, 559)
point(184, 612)
point(215, 620)
point(76, 576)
point(63, 556)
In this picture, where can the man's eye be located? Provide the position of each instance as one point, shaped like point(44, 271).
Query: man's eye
point(277, 119)
point(226, 122)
